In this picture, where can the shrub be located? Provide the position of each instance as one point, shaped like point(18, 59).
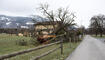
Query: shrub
point(34, 42)
point(21, 42)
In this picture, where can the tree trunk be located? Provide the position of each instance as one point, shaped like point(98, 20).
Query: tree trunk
point(96, 33)
point(101, 34)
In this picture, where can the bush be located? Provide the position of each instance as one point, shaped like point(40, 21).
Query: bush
point(34, 42)
point(21, 42)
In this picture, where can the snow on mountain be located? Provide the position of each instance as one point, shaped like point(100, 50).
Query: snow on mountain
point(25, 27)
point(8, 23)
point(29, 23)
point(13, 22)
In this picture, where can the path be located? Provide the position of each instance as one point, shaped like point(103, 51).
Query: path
point(89, 49)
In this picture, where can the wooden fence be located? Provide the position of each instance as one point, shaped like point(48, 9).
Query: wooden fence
point(3, 57)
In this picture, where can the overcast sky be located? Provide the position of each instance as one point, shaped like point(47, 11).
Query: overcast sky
point(84, 9)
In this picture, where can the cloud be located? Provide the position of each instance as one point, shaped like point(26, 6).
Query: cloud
point(84, 9)
point(22, 7)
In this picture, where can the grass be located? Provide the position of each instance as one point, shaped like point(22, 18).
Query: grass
point(98, 36)
point(8, 45)
point(53, 56)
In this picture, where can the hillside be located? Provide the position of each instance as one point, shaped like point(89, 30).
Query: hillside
point(14, 22)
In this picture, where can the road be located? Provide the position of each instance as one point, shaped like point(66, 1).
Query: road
point(89, 49)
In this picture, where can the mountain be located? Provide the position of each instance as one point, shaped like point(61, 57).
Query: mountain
point(14, 22)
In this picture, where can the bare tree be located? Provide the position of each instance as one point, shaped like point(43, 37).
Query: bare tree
point(62, 17)
point(97, 24)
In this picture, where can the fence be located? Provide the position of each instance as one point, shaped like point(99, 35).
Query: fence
point(3, 57)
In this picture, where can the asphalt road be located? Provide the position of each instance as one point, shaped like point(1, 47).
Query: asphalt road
point(89, 49)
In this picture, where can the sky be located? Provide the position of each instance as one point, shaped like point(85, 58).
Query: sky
point(84, 9)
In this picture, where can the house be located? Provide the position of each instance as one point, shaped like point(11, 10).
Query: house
point(44, 28)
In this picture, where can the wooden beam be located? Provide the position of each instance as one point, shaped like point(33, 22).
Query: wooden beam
point(25, 51)
point(51, 51)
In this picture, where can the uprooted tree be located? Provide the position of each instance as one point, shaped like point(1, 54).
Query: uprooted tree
point(63, 17)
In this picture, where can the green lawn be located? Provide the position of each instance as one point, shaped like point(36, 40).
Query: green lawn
point(98, 36)
point(8, 45)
